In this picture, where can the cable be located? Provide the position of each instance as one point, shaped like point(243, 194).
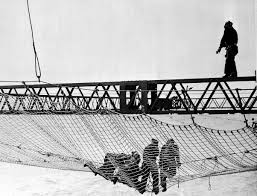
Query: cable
point(37, 64)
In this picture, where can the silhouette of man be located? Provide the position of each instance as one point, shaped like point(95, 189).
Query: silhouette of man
point(229, 41)
point(119, 163)
point(169, 161)
point(111, 162)
point(131, 171)
point(149, 165)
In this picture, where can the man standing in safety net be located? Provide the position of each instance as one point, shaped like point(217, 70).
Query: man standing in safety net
point(169, 161)
point(229, 41)
point(149, 165)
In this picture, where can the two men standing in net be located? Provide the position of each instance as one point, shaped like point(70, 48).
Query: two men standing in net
point(125, 168)
point(169, 160)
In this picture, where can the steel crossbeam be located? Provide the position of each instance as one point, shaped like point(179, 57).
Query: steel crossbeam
point(185, 96)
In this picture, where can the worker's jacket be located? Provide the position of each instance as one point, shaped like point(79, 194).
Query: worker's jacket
point(151, 152)
point(229, 38)
point(169, 156)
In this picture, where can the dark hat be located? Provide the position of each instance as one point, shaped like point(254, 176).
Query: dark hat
point(137, 158)
point(170, 141)
point(135, 153)
point(154, 141)
point(228, 24)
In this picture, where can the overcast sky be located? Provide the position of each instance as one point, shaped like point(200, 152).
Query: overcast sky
point(109, 40)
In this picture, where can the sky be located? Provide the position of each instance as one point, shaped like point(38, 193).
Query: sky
point(113, 40)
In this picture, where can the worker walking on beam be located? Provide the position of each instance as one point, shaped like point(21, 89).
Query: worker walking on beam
point(229, 41)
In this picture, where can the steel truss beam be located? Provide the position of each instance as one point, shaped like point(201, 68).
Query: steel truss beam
point(185, 96)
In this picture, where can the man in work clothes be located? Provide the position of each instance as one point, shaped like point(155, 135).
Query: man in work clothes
point(229, 41)
point(149, 165)
point(169, 161)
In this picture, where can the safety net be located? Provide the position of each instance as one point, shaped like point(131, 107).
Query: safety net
point(106, 142)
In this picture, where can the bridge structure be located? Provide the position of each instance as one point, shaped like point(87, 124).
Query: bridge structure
point(183, 96)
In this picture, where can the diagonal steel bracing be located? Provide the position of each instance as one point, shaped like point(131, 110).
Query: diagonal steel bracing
point(185, 96)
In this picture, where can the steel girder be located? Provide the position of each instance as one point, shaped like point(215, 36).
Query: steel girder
point(185, 96)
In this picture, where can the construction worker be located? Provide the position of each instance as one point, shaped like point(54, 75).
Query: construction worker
point(169, 161)
point(111, 162)
point(130, 172)
point(229, 41)
point(149, 165)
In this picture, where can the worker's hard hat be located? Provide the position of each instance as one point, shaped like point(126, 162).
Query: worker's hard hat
point(154, 141)
point(170, 141)
point(228, 24)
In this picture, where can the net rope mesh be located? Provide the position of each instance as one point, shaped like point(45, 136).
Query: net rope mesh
point(85, 141)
